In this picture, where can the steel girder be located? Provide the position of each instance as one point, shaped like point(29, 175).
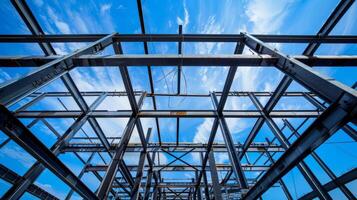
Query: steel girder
point(341, 111)
point(22, 136)
point(234, 38)
point(10, 176)
point(260, 60)
point(32, 174)
point(343, 179)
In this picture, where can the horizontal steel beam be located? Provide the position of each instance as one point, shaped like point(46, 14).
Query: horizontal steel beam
point(138, 93)
point(170, 147)
point(169, 114)
point(174, 60)
point(220, 167)
point(177, 38)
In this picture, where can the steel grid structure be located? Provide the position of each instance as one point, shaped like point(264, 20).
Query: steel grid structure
point(335, 108)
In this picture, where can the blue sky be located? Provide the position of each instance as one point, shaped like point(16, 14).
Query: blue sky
point(164, 16)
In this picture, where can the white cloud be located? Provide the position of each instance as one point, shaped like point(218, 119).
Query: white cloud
point(4, 76)
point(105, 7)
point(267, 16)
point(184, 22)
point(60, 25)
point(203, 131)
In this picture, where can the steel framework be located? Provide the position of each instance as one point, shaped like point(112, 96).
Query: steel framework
point(335, 108)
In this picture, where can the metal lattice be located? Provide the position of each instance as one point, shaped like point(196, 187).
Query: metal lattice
point(335, 107)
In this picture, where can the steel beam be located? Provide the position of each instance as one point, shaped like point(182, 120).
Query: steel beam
point(35, 28)
point(23, 137)
point(286, 81)
point(140, 170)
point(343, 179)
point(326, 88)
point(214, 177)
point(15, 91)
point(302, 166)
point(168, 114)
point(347, 129)
point(70, 193)
point(146, 51)
point(322, 164)
point(110, 174)
point(18, 189)
point(223, 60)
point(149, 180)
point(234, 38)
point(170, 147)
point(138, 93)
point(235, 161)
point(11, 177)
point(281, 182)
point(220, 167)
point(319, 131)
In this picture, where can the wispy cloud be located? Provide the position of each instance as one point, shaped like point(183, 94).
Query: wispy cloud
point(17, 154)
point(267, 16)
point(186, 20)
point(105, 7)
point(62, 26)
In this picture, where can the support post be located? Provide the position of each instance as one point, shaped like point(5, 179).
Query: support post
point(235, 161)
point(214, 176)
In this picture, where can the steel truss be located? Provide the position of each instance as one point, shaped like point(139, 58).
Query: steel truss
point(335, 106)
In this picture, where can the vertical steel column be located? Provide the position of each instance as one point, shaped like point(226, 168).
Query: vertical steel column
point(302, 166)
point(155, 195)
point(229, 81)
point(227, 85)
point(132, 100)
point(146, 51)
point(214, 176)
point(112, 169)
point(205, 182)
point(235, 161)
point(149, 179)
point(139, 172)
point(179, 71)
point(323, 165)
point(18, 189)
point(199, 192)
